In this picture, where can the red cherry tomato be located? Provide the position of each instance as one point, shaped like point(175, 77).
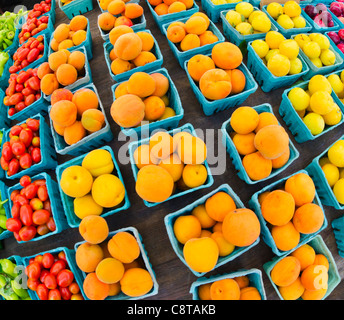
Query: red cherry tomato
point(65, 293)
point(36, 155)
point(51, 224)
point(65, 278)
point(39, 259)
point(32, 284)
point(31, 191)
point(62, 256)
point(54, 294)
point(33, 124)
point(25, 181)
point(74, 288)
point(25, 214)
point(25, 161)
point(7, 153)
point(18, 148)
point(42, 292)
point(42, 229)
point(48, 260)
point(27, 233)
point(42, 193)
point(26, 136)
point(13, 167)
point(15, 210)
point(58, 266)
point(50, 281)
point(43, 275)
point(33, 270)
point(13, 224)
point(14, 193)
point(21, 200)
point(40, 217)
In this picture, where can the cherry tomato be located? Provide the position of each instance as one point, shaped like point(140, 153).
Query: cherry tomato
point(57, 267)
point(32, 284)
point(33, 270)
point(13, 167)
point(31, 191)
point(26, 215)
point(43, 275)
point(40, 217)
point(15, 210)
point(39, 259)
point(77, 296)
point(25, 161)
point(42, 229)
point(18, 148)
point(7, 152)
point(47, 205)
point(42, 193)
point(36, 155)
point(13, 224)
point(74, 288)
point(42, 292)
point(40, 182)
point(54, 294)
point(25, 181)
point(48, 260)
point(65, 293)
point(62, 256)
point(36, 142)
point(27, 233)
point(36, 204)
point(26, 136)
point(51, 224)
point(13, 194)
point(65, 278)
point(15, 130)
point(21, 200)
point(4, 164)
point(50, 281)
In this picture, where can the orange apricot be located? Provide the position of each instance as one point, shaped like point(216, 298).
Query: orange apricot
point(243, 281)
point(250, 293)
point(66, 74)
point(147, 40)
point(88, 256)
point(208, 37)
point(256, 166)
point(301, 187)
point(116, 7)
point(226, 55)
point(61, 94)
point(238, 81)
point(215, 84)
point(314, 277)
point(124, 247)
point(94, 229)
point(61, 32)
point(285, 271)
point(308, 218)
point(110, 270)
point(133, 10)
point(128, 46)
point(286, 237)
point(161, 145)
point(196, 25)
point(292, 292)
point(191, 150)
point(63, 113)
point(266, 119)
point(244, 120)
point(85, 99)
point(175, 33)
point(117, 31)
point(244, 143)
point(77, 59)
point(79, 22)
point(94, 288)
point(225, 289)
point(201, 214)
point(190, 41)
point(92, 120)
point(186, 227)
point(119, 66)
point(143, 157)
point(136, 282)
point(141, 84)
point(74, 133)
point(144, 58)
point(161, 9)
point(162, 84)
point(173, 165)
point(219, 205)
point(176, 6)
point(204, 291)
point(305, 254)
point(198, 65)
point(321, 259)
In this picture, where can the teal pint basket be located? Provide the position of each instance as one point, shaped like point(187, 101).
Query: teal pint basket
point(178, 247)
point(236, 159)
point(67, 201)
point(4, 196)
point(4, 119)
point(135, 144)
point(254, 275)
point(319, 246)
point(146, 68)
point(143, 257)
point(167, 124)
point(183, 56)
point(266, 233)
point(76, 7)
point(255, 3)
point(55, 202)
point(338, 230)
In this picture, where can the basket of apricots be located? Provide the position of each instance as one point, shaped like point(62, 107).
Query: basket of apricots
point(77, 120)
point(212, 231)
point(220, 80)
point(115, 265)
point(138, 112)
point(72, 36)
point(73, 8)
point(239, 285)
point(258, 145)
point(289, 211)
point(164, 11)
point(169, 164)
point(65, 68)
point(91, 184)
point(120, 13)
point(127, 52)
point(190, 36)
point(307, 273)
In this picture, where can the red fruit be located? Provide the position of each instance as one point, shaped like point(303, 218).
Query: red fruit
point(65, 293)
point(11, 111)
point(33, 270)
point(33, 124)
point(14, 193)
point(65, 278)
point(32, 284)
point(62, 256)
point(27, 91)
point(47, 205)
point(26, 136)
point(40, 216)
point(15, 130)
point(33, 54)
point(31, 191)
point(30, 99)
point(50, 281)
point(42, 292)
point(39, 259)
point(13, 167)
point(18, 148)
point(43, 275)
point(19, 87)
point(42, 229)
point(27, 233)
point(36, 204)
point(25, 181)
point(74, 288)
point(58, 266)
point(40, 182)
point(20, 106)
point(21, 200)
point(36, 155)
point(4, 164)
point(14, 139)
point(15, 211)
point(47, 260)
point(54, 294)
point(25, 215)
point(13, 224)
point(42, 193)
point(25, 161)
point(34, 82)
point(51, 224)
point(21, 55)
point(7, 153)
point(341, 34)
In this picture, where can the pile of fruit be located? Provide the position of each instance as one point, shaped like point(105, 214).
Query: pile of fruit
point(93, 185)
point(65, 2)
point(75, 115)
point(219, 2)
point(315, 104)
point(290, 211)
point(142, 98)
point(119, 13)
point(262, 143)
point(130, 50)
point(39, 9)
point(214, 230)
point(288, 16)
point(23, 149)
point(10, 286)
point(217, 75)
point(69, 35)
point(113, 265)
point(30, 51)
point(246, 20)
point(280, 55)
point(192, 33)
point(316, 47)
point(237, 288)
point(49, 275)
point(320, 15)
point(31, 213)
point(162, 7)
point(332, 165)
point(32, 26)
point(337, 8)
point(338, 38)
point(22, 91)
point(63, 68)
point(302, 274)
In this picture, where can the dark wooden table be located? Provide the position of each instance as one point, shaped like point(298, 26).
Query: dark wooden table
point(173, 276)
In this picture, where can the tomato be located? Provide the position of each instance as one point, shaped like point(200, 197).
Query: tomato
point(36, 155)
point(25, 181)
point(36, 204)
point(64, 278)
point(15, 130)
point(4, 164)
point(31, 191)
point(65, 293)
point(47, 205)
point(48, 260)
point(25, 214)
point(42, 193)
point(58, 266)
point(13, 167)
point(13, 224)
point(42, 229)
point(42, 292)
point(77, 296)
point(25, 161)
point(54, 294)
point(21, 200)
point(50, 281)
point(32, 284)
point(33, 124)
point(7, 152)
point(17, 236)
point(27, 233)
point(36, 142)
point(33, 270)
point(26, 136)
point(18, 148)
point(40, 217)
point(51, 224)
point(62, 256)
point(74, 288)
point(15, 210)
point(43, 275)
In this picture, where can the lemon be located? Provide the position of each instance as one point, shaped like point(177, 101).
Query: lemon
point(338, 191)
point(244, 8)
point(333, 117)
point(322, 41)
point(279, 65)
point(295, 66)
point(301, 39)
point(299, 22)
point(299, 98)
point(261, 23)
point(289, 48)
point(319, 82)
point(234, 18)
point(274, 39)
point(336, 83)
point(314, 122)
point(292, 9)
point(255, 14)
point(331, 173)
point(244, 28)
point(271, 53)
point(312, 50)
point(317, 62)
point(260, 47)
point(336, 153)
point(321, 102)
point(312, 36)
point(274, 9)
point(327, 57)
point(285, 21)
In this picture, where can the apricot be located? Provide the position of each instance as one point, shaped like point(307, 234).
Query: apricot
point(54, 44)
point(286, 237)
point(225, 247)
point(78, 22)
point(225, 289)
point(124, 247)
point(43, 69)
point(74, 133)
point(115, 289)
point(161, 145)
point(314, 277)
point(200, 14)
point(205, 233)
point(219, 205)
point(278, 207)
point(243, 281)
point(76, 181)
point(128, 46)
point(320, 259)
point(56, 59)
point(85, 99)
point(244, 143)
point(112, 55)
point(262, 196)
point(110, 270)
point(292, 292)
point(141, 84)
point(301, 187)
point(281, 160)
point(201, 214)
point(88, 256)
point(136, 282)
point(266, 119)
point(314, 294)
point(117, 31)
point(175, 33)
point(94, 229)
point(66, 74)
point(77, 60)
point(208, 37)
point(119, 66)
point(143, 157)
point(308, 218)
point(61, 94)
point(190, 41)
point(173, 165)
point(204, 291)
point(123, 20)
point(106, 20)
point(244, 120)
point(116, 7)
point(191, 150)
point(61, 32)
point(92, 120)
point(186, 227)
point(217, 227)
point(147, 40)
point(196, 25)
point(65, 44)
point(59, 129)
point(194, 175)
point(305, 254)
point(198, 65)
point(256, 166)
point(133, 10)
point(161, 9)
point(162, 84)
point(154, 2)
point(86, 206)
point(201, 254)
point(215, 84)
point(176, 6)
point(63, 113)
point(95, 289)
point(121, 89)
point(250, 293)
point(241, 227)
point(285, 271)
point(128, 110)
point(238, 81)
point(104, 4)
point(144, 58)
point(154, 183)
point(226, 55)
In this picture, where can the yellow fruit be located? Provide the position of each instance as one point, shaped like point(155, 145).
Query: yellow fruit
point(86, 206)
point(261, 23)
point(299, 98)
point(289, 48)
point(327, 57)
point(319, 83)
point(234, 18)
point(317, 62)
point(285, 21)
point(301, 39)
point(338, 191)
point(292, 9)
point(333, 117)
point(244, 28)
point(274, 9)
point(331, 173)
point(98, 162)
point(244, 8)
point(322, 41)
point(76, 181)
point(299, 22)
point(336, 153)
point(336, 83)
point(271, 53)
point(279, 65)
point(274, 39)
point(260, 47)
point(254, 14)
point(321, 102)
point(295, 66)
point(312, 50)
point(314, 122)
